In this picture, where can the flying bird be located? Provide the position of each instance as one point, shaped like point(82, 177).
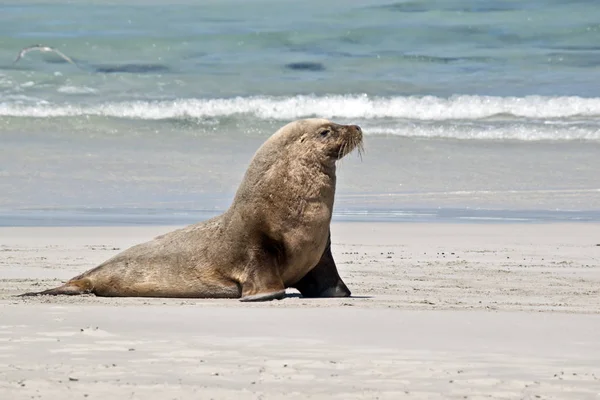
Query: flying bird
point(43, 49)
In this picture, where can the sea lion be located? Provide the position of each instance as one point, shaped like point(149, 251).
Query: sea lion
point(274, 235)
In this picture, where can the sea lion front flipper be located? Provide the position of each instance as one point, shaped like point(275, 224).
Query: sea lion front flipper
point(278, 295)
point(264, 283)
point(323, 280)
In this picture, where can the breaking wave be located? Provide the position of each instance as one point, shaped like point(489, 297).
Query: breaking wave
point(461, 117)
point(349, 106)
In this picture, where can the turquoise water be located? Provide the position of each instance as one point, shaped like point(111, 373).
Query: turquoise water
point(466, 105)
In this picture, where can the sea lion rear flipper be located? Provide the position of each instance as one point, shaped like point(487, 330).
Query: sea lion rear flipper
point(74, 287)
point(323, 280)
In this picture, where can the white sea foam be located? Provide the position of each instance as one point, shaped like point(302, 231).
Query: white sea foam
point(462, 117)
point(490, 131)
point(350, 106)
point(76, 90)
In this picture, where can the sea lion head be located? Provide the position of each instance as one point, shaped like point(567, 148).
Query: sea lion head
point(294, 159)
point(323, 138)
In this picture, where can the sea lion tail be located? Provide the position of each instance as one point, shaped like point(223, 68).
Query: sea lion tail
point(73, 287)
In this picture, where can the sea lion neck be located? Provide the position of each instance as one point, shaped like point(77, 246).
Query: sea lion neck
point(326, 165)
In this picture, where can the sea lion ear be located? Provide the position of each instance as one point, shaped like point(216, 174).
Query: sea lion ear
point(302, 139)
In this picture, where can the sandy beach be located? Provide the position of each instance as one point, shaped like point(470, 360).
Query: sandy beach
point(439, 311)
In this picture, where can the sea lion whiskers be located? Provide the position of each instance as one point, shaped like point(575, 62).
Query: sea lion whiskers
point(360, 148)
point(353, 142)
point(356, 142)
point(341, 151)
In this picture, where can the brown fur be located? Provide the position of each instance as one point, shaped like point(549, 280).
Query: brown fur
point(275, 234)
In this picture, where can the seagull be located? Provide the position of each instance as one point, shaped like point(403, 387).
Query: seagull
point(44, 49)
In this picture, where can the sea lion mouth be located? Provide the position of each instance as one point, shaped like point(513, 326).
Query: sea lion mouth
point(354, 140)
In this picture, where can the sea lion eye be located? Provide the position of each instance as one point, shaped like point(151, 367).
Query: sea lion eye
point(324, 132)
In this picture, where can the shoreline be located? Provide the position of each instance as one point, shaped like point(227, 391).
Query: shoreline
point(123, 216)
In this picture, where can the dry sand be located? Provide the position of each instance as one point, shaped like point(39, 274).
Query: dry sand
point(440, 311)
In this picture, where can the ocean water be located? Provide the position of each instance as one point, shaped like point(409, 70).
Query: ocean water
point(472, 110)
